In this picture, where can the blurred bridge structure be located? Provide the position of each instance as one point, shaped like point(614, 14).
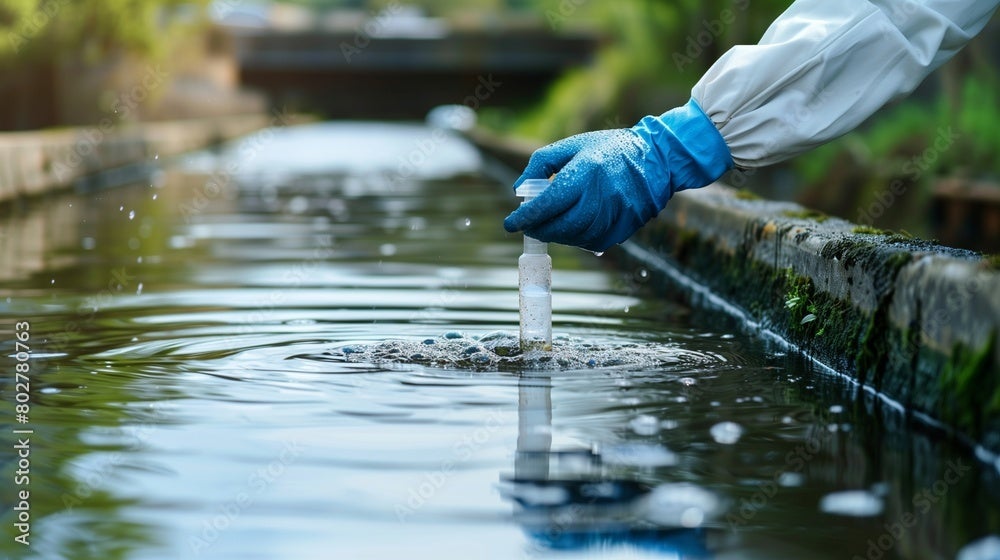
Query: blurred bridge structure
point(354, 75)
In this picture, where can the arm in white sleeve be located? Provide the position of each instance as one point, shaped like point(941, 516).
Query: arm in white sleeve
point(825, 66)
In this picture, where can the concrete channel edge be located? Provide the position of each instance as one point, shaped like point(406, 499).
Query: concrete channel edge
point(36, 162)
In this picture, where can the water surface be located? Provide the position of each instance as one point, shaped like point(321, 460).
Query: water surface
point(223, 367)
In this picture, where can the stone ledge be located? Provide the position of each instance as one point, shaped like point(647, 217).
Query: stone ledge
point(36, 162)
point(913, 320)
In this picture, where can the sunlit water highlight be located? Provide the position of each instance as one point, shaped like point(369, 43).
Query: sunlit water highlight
point(233, 362)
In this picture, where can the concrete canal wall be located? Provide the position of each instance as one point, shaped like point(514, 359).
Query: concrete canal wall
point(916, 321)
point(36, 162)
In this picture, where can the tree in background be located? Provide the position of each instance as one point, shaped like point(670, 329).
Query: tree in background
point(53, 52)
point(43, 29)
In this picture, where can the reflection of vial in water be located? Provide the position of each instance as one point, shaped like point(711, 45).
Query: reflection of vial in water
point(535, 282)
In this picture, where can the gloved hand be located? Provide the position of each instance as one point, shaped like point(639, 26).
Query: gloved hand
point(611, 182)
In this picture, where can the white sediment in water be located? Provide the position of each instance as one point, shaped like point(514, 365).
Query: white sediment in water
point(502, 350)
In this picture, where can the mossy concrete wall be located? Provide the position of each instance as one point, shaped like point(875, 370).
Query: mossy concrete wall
point(913, 320)
point(916, 321)
point(35, 162)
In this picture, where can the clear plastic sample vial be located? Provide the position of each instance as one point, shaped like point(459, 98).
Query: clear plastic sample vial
point(534, 269)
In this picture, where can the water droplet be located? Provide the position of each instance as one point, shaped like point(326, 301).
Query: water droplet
point(669, 424)
point(643, 273)
point(49, 390)
point(852, 503)
point(120, 208)
point(131, 215)
point(836, 409)
point(726, 433)
point(138, 290)
point(681, 505)
point(986, 548)
point(156, 156)
point(645, 425)
point(639, 455)
point(387, 249)
point(155, 195)
point(53, 281)
point(88, 243)
point(791, 479)
point(598, 253)
point(180, 242)
point(298, 205)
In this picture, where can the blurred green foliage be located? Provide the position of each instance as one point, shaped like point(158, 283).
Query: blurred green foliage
point(949, 135)
point(885, 172)
point(46, 29)
point(654, 51)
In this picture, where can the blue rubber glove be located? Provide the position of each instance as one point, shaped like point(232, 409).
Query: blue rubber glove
point(611, 182)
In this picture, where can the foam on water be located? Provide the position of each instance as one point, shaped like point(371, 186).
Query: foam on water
point(501, 350)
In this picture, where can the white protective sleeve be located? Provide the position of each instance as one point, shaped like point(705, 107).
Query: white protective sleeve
point(825, 66)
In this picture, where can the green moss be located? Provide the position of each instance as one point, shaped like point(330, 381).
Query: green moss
point(959, 389)
point(806, 214)
point(970, 390)
point(871, 230)
point(992, 261)
point(744, 194)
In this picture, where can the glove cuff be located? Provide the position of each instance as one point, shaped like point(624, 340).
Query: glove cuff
point(686, 150)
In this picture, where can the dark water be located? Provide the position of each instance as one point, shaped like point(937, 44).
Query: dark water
point(223, 367)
